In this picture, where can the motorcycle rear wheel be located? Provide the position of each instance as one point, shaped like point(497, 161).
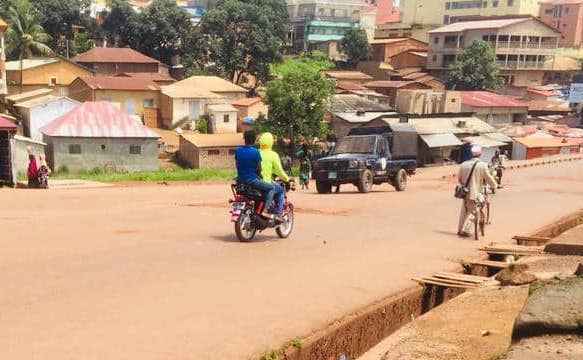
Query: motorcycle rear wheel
point(285, 229)
point(245, 229)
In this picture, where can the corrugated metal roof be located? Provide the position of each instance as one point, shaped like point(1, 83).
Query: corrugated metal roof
point(6, 124)
point(43, 100)
point(489, 99)
point(441, 140)
point(444, 125)
point(201, 86)
point(348, 75)
point(97, 120)
point(353, 103)
point(474, 25)
point(120, 83)
point(388, 84)
point(355, 118)
point(222, 108)
point(499, 137)
point(29, 95)
point(114, 55)
point(536, 142)
point(215, 140)
point(484, 141)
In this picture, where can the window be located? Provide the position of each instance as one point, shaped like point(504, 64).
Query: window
point(447, 6)
point(495, 3)
point(566, 10)
point(434, 58)
point(436, 40)
point(446, 20)
point(214, 152)
point(74, 149)
point(510, 2)
point(53, 81)
point(332, 12)
point(485, 4)
point(135, 149)
point(321, 11)
point(106, 98)
point(226, 118)
point(231, 151)
point(103, 147)
point(149, 103)
point(549, 11)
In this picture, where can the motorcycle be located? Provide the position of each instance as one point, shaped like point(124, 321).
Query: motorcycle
point(246, 212)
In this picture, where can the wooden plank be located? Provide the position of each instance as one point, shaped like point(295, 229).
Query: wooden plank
point(451, 281)
point(513, 250)
point(443, 284)
point(526, 240)
point(461, 277)
point(487, 263)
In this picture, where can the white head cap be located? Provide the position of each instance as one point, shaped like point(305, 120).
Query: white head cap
point(476, 150)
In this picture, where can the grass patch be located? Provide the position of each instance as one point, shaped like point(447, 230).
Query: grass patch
point(270, 355)
point(297, 343)
point(156, 176)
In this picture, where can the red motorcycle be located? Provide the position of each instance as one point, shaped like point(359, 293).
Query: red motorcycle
point(246, 212)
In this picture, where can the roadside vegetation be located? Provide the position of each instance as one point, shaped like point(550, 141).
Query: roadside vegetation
point(156, 176)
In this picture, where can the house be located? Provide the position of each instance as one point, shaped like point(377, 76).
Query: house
point(399, 52)
point(344, 87)
point(342, 122)
point(209, 151)
point(40, 73)
point(111, 61)
point(38, 112)
point(493, 108)
point(548, 107)
point(524, 47)
point(11, 100)
point(249, 110)
point(565, 16)
point(183, 104)
point(97, 135)
point(159, 78)
point(355, 103)
point(390, 88)
point(3, 87)
point(440, 134)
point(532, 147)
point(355, 77)
point(425, 101)
point(223, 118)
point(134, 95)
point(214, 84)
point(561, 70)
point(7, 171)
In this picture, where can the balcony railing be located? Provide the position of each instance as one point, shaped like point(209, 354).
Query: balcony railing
point(450, 45)
point(513, 64)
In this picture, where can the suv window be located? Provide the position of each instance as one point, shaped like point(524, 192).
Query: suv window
point(355, 145)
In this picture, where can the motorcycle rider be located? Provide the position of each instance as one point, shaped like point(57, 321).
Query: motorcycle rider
point(248, 160)
point(270, 166)
point(498, 163)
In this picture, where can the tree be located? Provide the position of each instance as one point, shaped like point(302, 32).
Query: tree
point(475, 69)
point(245, 37)
point(121, 24)
point(25, 36)
point(355, 46)
point(297, 103)
point(315, 61)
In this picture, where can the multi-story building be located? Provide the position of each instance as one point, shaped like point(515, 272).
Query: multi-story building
point(419, 16)
point(567, 17)
point(321, 24)
point(524, 47)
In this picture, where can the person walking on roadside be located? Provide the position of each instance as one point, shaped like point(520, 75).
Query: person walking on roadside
point(32, 171)
point(472, 174)
point(43, 173)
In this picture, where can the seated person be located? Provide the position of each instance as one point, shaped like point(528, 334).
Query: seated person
point(248, 161)
point(270, 166)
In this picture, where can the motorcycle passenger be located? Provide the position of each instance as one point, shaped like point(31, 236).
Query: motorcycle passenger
point(248, 161)
point(498, 163)
point(270, 166)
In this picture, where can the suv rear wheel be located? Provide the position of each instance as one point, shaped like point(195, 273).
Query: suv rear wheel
point(365, 182)
point(400, 180)
point(323, 187)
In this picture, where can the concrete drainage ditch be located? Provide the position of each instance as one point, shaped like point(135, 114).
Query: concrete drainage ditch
point(349, 338)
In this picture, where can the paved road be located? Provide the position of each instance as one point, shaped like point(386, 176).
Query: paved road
point(153, 272)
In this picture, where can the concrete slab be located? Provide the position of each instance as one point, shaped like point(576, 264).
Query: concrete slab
point(456, 330)
point(568, 243)
point(555, 347)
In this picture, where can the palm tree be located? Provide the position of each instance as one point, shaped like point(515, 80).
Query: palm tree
point(25, 35)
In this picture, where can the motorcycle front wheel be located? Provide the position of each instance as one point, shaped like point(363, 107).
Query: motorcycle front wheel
point(284, 230)
point(245, 227)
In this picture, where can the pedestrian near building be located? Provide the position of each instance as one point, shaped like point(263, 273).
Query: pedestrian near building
point(472, 174)
point(32, 171)
point(43, 173)
point(305, 170)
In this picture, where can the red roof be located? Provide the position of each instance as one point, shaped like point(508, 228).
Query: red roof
point(247, 101)
point(157, 77)
point(349, 86)
point(547, 93)
point(97, 120)
point(388, 84)
point(557, 106)
point(114, 55)
point(488, 99)
point(6, 124)
point(120, 83)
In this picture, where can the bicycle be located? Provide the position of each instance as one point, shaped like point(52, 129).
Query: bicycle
point(482, 215)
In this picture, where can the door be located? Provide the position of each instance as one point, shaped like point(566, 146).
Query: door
point(193, 110)
point(130, 106)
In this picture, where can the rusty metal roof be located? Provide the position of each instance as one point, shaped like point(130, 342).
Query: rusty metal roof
point(97, 120)
point(114, 55)
point(215, 140)
point(6, 124)
point(120, 83)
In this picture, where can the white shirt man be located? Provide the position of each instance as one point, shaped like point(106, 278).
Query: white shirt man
point(480, 175)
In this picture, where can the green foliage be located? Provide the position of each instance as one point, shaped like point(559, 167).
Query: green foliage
point(475, 69)
point(157, 176)
point(82, 42)
point(270, 355)
point(25, 35)
point(244, 37)
point(317, 61)
point(297, 343)
point(297, 103)
point(355, 46)
point(121, 24)
point(202, 125)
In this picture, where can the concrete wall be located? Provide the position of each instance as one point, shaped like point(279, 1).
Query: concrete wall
point(567, 18)
point(123, 97)
point(427, 102)
point(498, 115)
point(20, 153)
point(36, 117)
point(39, 77)
point(115, 157)
point(220, 126)
point(174, 110)
point(206, 158)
